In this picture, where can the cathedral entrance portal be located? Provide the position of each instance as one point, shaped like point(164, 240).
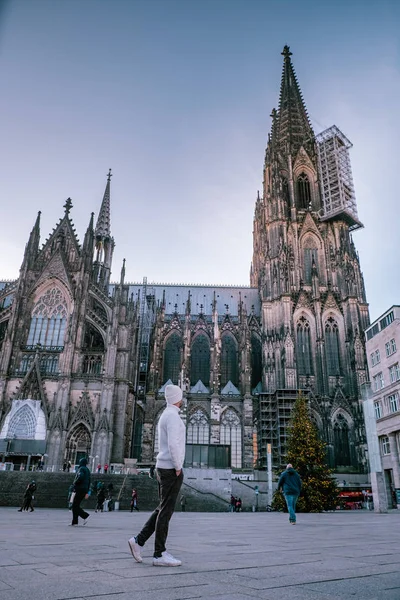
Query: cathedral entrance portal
point(78, 444)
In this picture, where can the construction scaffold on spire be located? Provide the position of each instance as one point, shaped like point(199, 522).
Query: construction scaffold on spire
point(336, 179)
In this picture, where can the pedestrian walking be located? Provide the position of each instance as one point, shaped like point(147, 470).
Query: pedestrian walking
point(290, 483)
point(101, 496)
point(183, 503)
point(105, 469)
point(28, 497)
point(134, 499)
point(64, 467)
point(98, 468)
point(172, 437)
point(232, 505)
point(81, 489)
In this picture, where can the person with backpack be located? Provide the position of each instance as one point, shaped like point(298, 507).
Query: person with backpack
point(81, 489)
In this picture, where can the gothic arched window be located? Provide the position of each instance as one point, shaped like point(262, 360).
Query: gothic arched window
point(231, 435)
point(198, 430)
point(49, 320)
point(341, 441)
point(332, 346)
point(229, 360)
point(93, 340)
point(172, 358)
point(23, 424)
point(304, 354)
point(303, 191)
point(310, 257)
point(256, 361)
point(200, 360)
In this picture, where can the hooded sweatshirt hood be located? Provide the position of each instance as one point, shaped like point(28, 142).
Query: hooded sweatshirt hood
point(83, 462)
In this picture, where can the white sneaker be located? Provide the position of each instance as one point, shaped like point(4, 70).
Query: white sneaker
point(166, 560)
point(135, 549)
point(86, 520)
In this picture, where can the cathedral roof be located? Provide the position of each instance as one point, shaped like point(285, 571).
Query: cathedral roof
point(202, 297)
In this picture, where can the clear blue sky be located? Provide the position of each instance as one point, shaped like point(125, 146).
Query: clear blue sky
point(175, 96)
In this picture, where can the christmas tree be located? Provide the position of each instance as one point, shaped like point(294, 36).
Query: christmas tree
point(306, 452)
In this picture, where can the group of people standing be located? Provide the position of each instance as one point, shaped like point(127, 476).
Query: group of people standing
point(235, 504)
point(28, 497)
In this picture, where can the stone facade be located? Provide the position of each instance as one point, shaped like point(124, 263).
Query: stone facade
point(97, 355)
point(382, 346)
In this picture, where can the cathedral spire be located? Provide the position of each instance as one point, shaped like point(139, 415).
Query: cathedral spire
point(293, 127)
point(103, 230)
point(32, 247)
point(103, 241)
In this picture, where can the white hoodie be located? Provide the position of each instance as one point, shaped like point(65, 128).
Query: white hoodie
point(171, 439)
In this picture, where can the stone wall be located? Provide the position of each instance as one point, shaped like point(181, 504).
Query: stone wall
point(52, 491)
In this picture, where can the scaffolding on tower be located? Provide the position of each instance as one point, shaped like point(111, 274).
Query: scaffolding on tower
point(336, 178)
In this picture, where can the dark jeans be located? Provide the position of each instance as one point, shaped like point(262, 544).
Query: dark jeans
point(169, 484)
point(77, 511)
point(291, 500)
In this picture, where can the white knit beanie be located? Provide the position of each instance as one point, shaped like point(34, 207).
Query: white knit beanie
point(173, 394)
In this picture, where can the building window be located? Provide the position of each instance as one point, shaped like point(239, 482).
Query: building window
point(378, 410)
point(379, 382)
point(393, 401)
point(231, 435)
point(390, 347)
point(172, 358)
point(198, 430)
point(385, 444)
point(200, 361)
point(310, 257)
point(304, 355)
point(375, 358)
point(303, 191)
point(372, 359)
point(332, 347)
point(49, 320)
point(394, 373)
point(386, 320)
point(229, 360)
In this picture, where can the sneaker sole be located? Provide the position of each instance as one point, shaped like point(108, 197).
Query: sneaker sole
point(164, 565)
point(138, 559)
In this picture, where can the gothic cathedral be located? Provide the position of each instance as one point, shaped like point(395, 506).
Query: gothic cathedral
point(84, 361)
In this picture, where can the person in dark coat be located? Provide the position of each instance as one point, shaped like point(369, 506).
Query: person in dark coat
point(101, 496)
point(81, 489)
point(290, 483)
point(28, 497)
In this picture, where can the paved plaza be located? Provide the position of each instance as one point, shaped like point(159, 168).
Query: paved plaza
point(354, 554)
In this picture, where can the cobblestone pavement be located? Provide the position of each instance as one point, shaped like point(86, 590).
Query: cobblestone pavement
point(352, 554)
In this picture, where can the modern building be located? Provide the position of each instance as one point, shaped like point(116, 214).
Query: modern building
point(84, 362)
point(383, 355)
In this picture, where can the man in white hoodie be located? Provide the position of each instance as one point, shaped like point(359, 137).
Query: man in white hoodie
point(172, 440)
